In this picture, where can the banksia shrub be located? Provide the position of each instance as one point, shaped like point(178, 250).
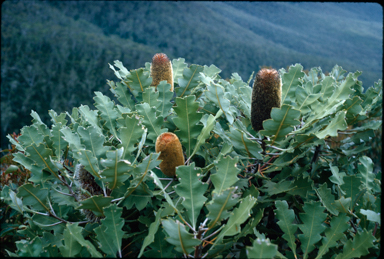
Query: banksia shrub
point(171, 153)
point(266, 94)
point(161, 69)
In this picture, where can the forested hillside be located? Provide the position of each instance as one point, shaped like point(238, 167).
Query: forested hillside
point(54, 55)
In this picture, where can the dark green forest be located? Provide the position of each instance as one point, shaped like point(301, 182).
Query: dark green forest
point(55, 54)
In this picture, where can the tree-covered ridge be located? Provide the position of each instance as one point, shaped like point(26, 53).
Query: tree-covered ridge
point(53, 52)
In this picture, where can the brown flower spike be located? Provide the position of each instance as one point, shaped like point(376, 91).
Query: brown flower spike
point(171, 153)
point(266, 94)
point(161, 69)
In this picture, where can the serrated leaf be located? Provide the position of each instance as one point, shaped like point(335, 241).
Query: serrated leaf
point(351, 186)
point(337, 177)
point(129, 136)
point(151, 232)
point(220, 205)
point(334, 233)
point(286, 218)
point(123, 96)
point(240, 215)
point(281, 123)
point(57, 118)
point(164, 98)
point(108, 111)
point(358, 247)
point(140, 197)
point(301, 186)
point(262, 248)
point(138, 80)
point(93, 141)
point(337, 123)
point(30, 135)
point(312, 226)
point(96, 204)
point(327, 198)
point(190, 80)
point(160, 248)
point(371, 215)
point(41, 156)
point(58, 143)
point(34, 196)
point(304, 99)
point(72, 138)
point(178, 66)
point(226, 173)
point(73, 232)
point(215, 93)
point(31, 248)
point(150, 96)
point(17, 203)
point(115, 172)
point(154, 124)
point(366, 171)
point(244, 145)
point(110, 232)
point(122, 73)
point(275, 188)
point(290, 80)
point(206, 131)
point(186, 121)
point(90, 116)
point(192, 190)
point(183, 241)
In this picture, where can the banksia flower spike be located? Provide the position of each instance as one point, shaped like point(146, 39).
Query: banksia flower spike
point(161, 69)
point(266, 94)
point(171, 153)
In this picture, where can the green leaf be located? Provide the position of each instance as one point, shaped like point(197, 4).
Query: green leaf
point(30, 135)
point(140, 196)
point(34, 196)
point(192, 190)
point(150, 121)
point(312, 226)
point(281, 123)
point(371, 215)
point(290, 80)
point(31, 248)
point(150, 238)
point(343, 205)
point(304, 99)
point(275, 188)
point(178, 66)
point(261, 248)
point(108, 111)
point(41, 156)
point(164, 98)
point(115, 172)
point(58, 142)
point(129, 136)
point(358, 247)
point(226, 173)
point(93, 141)
point(150, 96)
point(179, 237)
point(138, 80)
point(301, 186)
point(90, 116)
point(206, 131)
point(122, 73)
point(123, 96)
point(240, 215)
point(17, 204)
point(351, 186)
point(286, 218)
point(333, 234)
point(337, 123)
point(186, 121)
point(72, 138)
point(189, 81)
point(160, 248)
point(220, 205)
point(244, 145)
point(366, 172)
point(96, 204)
point(336, 177)
point(327, 198)
point(215, 93)
point(72, 234)
point(110, 232)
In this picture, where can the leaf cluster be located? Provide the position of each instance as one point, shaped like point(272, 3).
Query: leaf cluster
point(96, 188)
